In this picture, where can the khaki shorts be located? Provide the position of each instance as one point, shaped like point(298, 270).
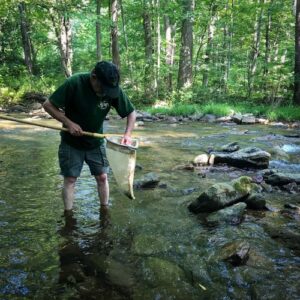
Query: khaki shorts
point(71, 160)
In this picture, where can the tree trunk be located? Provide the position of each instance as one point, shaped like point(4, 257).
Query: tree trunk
point(170, 49)
point(228, 34)
point(158, 47)
point(63, 34)
point(98, 30)
point(129, 63)
point(210, 36)
point(114, 34)
point(255, 51)
point(267, 42)
point(149, 66)
point(185, 72)
point(26, 41)
point(297, 56)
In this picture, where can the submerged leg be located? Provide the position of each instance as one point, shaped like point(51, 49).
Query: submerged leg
point(68, 192)
point(103, 188)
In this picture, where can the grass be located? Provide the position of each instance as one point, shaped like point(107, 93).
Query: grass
point(282, 113)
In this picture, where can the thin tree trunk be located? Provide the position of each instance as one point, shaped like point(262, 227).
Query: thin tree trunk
point(170, 49)
point(267, 42)
point(114, 34)
point(129, 63)
point(255, 51)
point(210, 36)
point(98, 30)
point(297, 56)
point(228, 36)
point(64, 41)
point(185, 73)
point(149, 66)
point(158, 47)
point(26, 41)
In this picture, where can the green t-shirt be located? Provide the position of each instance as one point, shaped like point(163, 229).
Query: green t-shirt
point(82, 106)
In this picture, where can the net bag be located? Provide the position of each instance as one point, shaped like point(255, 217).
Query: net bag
point(122, 160)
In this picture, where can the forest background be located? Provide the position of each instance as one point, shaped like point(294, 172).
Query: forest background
point(172, 54)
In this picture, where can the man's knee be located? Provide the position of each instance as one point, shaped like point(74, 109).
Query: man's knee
point(70, 180)
point(101, 179)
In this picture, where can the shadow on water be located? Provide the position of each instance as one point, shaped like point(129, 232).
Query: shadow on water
point(149, 248)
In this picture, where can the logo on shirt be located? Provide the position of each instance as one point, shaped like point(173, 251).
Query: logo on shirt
point(103, 105)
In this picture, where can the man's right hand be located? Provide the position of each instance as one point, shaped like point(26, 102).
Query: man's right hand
point(74, 128)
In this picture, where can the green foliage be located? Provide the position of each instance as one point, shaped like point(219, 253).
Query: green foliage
point(230, 82)
point(282, 113)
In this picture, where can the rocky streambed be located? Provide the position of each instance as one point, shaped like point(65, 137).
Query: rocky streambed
point(216, 216)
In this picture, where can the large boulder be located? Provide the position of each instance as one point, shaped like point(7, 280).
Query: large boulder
point(279, 178)
point(248, 157)
point(221, 195)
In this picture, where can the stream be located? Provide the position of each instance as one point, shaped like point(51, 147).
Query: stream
point(151, 247)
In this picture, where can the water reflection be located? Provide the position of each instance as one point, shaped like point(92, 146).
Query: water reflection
point(78, 272)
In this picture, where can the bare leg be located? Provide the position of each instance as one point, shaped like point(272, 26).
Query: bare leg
point(68, 192)
point(103, 188)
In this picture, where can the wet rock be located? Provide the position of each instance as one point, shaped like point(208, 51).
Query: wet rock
point(255, 201)
point(172, 120)
point(139, 124)
point(230, 215)
point(266, 187)
point(189, 191)
point(232, 147)
point(209, 118)
point(201, 159)
point(119, 274)
point(160, 272)
point(224, 119)
point(149, 181)
point(237, 118)
point(262, 121)
point(221, 195)
point(236, 253)
point(248, 119)
point(292, 206)
point(248, 157)
point(292, 188)
point(279, 178)
point(286, 236)
point(149, 245)
point(196, 117)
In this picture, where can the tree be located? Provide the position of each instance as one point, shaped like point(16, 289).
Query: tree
point(149, 65)
point(98, 30)
point(185, 74)
point(114, 34)
point(297, 56)
point(62, 27)
point(26, 39)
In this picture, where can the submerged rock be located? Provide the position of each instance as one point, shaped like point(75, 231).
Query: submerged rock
point(249, 157)
point(230, 215)
point(221, 195)
point(149, 181)
point(236, 253)
point(149, 245)
point(160, 272)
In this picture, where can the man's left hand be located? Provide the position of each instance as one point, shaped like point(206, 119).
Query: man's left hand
point(126, 140)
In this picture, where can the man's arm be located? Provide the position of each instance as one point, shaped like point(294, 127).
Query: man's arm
point(126, 140)
point(53, 111)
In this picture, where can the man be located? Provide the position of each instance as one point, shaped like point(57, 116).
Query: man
point(86, 99)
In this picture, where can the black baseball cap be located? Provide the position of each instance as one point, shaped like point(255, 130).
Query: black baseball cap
point(108, 74)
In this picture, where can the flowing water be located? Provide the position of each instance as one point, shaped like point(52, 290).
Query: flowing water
point(148, 248)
